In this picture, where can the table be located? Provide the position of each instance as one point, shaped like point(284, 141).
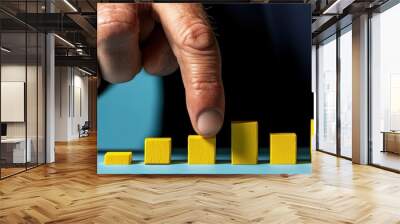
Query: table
point(19, 154)
point(391, 141)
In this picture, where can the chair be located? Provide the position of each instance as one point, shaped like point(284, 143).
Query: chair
point(84, 129)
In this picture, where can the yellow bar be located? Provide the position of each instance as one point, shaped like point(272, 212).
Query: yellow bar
point(118, 158)
point(201, 150)
point(157, 151)
point(312, 127)
point(283, 148)
point(244, 142)
point(311, 137)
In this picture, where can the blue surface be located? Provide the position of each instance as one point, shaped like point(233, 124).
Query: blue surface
point(180, 166)
point(140, 100)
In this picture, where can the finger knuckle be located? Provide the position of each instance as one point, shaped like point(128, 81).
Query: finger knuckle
point(117, 24)
point(118, 14)
point(198, 36)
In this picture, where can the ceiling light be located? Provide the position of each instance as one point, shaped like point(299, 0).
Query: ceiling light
point(337, 7)
point(70, 5)
point(65, 41)
point(80, 51)
point(5, 50)
point(329, 9)
point(84, 71)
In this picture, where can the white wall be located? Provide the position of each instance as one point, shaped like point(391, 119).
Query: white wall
point(62, 81)
point(16, 72)
point(70, 84)
point(81, 108)
point(33, 127)
point(13, 100)
point(10, 73)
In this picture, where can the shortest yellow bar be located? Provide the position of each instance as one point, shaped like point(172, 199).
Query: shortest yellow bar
point(201, 150)
point(283, 148)
point(118, 158)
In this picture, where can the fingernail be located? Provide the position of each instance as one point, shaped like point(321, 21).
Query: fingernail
point(209, 123)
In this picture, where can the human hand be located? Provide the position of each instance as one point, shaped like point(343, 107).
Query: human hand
point(160, 37)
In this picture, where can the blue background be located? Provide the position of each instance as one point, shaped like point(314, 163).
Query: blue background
point(129, 112)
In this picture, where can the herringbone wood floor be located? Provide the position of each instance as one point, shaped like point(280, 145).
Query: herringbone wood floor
point(70, 191)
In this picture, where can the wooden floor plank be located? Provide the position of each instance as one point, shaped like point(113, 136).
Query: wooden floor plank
point(70, 191)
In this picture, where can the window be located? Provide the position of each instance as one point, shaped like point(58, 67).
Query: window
point(327, 96)
point(334, 106)
point(346, 92)
point(385, 88)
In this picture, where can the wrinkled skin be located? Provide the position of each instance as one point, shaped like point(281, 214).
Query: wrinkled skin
point(160, 38)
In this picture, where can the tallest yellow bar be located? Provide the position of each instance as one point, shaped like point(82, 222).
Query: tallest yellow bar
point(244, 142)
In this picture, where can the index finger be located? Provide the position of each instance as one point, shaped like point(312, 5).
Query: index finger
point(196, 49)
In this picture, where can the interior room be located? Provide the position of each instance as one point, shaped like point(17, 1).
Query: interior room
point(22, 101)
point(24, 66)
point(51, 118)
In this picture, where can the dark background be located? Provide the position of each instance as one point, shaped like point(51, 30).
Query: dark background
point(266, 70)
